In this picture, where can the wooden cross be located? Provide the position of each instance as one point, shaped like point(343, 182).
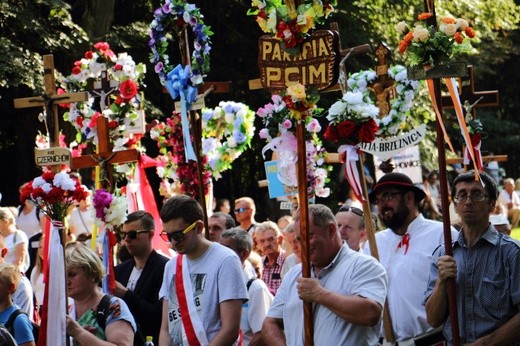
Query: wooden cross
point(105, 157)
point(49, 101)
point(103, 88)
point(384, 87)
point(468, 95)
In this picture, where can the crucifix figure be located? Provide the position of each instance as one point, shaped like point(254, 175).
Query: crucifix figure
point(384, 87)
point(49, 100)
point(103, 88)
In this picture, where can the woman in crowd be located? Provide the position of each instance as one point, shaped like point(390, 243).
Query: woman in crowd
point(84, 274)
point(36, 276)
point(15, 241)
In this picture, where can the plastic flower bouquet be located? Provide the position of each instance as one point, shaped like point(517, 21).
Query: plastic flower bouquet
point(352, 119)
point(110, 210)
point(279, 118)
point(54, 193)
point(427, 45)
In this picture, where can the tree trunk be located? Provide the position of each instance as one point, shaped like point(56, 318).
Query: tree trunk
point(94, 16)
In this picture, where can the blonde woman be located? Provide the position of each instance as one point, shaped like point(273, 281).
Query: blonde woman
point(84, 274)
point(15, 240)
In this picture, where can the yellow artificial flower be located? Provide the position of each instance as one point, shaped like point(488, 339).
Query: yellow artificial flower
point(271, 21)
point(262, 23)
point(296, 91)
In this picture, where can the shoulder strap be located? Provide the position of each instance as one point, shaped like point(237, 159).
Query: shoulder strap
point(10, 322)
point(102, 310)
point(249, 283)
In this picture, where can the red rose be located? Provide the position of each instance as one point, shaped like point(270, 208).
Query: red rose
point(346, 129)
point(331, 133)
point(459, 37)
point(118, 67)
point(112, 124)
point(89, 54)
point(470, 32)
point(475, 139)
point(76, 70)
point(128, 89)
point(367, 132)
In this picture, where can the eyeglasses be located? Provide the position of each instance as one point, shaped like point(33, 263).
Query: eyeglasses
point(476, 196)
point(240, 210)
point(178, 236)
point(355, 210)
point(386, 196)
point(131, 234)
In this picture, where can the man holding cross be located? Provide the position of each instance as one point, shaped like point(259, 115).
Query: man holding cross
point(347, 289)
point(486, 268)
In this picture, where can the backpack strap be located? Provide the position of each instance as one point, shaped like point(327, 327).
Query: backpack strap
point(102, 311)
point(10, 322)
point(249, 283)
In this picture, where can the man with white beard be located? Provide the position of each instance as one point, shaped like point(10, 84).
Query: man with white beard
point(405, 249)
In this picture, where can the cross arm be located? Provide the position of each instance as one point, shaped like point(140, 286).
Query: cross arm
point(40, 101)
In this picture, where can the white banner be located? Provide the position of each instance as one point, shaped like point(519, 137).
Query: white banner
point(386, 148)
point(408, 162)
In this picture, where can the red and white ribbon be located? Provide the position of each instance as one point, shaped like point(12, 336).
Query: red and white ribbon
point(191, 320)
point(429, 83)
point(476, 154)
point(351, 169)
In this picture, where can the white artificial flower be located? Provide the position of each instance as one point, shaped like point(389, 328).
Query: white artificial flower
point(402, 28)
point(461, 24)
point(353, 97)
point(337, 108)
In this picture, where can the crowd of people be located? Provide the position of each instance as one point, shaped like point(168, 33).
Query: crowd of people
point(244, 285)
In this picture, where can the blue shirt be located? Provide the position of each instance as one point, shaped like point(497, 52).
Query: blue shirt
point(488, 283)
point(22, 326)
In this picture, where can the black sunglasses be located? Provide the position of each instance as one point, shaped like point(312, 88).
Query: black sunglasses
point(178, 236)
point(240, 210)
point(131, 234)
point(355, 210)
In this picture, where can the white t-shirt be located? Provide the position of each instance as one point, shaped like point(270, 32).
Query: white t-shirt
point(408, 273)
point(216, 277)
point(134, 276)
point(349, 273)
point(504, 199)
point(255, 309)
point(13, 239)
point(82, 221)
point(37, 285)
point(23, 297)
point(29, 223)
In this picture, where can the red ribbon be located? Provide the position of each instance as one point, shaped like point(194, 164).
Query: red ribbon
point(183, 305)
point(112, 241)
point(405, 242)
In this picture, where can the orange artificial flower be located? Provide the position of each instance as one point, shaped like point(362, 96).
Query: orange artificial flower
point(408, 37)
point(424, 15)
point(448, 20)
point(470, 32)
point(402, 47)
point(459, 37)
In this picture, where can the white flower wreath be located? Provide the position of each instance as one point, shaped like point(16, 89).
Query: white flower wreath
point(406, 91)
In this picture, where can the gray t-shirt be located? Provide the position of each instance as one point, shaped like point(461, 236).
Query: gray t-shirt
point(216, 276)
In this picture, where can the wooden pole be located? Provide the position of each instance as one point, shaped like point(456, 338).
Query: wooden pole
point(196, 127)
point(304, 227)
point(443, 183)
point(367, 216)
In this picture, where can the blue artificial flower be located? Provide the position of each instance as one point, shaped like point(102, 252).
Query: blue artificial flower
point(239, 137)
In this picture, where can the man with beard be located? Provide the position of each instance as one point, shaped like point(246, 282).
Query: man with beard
point(405, 249)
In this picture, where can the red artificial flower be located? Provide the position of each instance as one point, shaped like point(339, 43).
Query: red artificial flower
point(93, 120)
point(118, 67)
point(288, 102)
point(102, 46)
point(367, 132)
point(346, 129)
point(331, 133)
point(424, 15)
point(262, 14)
point(119, 100)
point(128, 89)
point(459, 37)
point(77, 63)
point(89, 55)
point(112, 124)
point(61, 92)
point(48, 176)
point(470, 32)
point(76, 70)
point(79, 120)
point(448, 20)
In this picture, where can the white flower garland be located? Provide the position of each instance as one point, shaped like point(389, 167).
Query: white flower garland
point(406, 90)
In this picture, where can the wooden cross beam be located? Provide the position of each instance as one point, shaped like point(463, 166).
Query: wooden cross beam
point(470, 98)
point(485, 159)
point(49, 102)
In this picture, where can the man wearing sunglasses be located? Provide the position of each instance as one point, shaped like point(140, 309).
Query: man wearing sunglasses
point(245, 210)
point(139, 279)
point(405, 249)
point(203, 289)
point(486, 268)
point(351, 225)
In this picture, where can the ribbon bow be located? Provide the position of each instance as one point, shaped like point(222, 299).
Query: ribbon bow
point(178, 83)
point(405, 242)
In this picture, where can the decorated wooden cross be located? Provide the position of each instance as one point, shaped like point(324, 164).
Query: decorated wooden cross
point(54, 156)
